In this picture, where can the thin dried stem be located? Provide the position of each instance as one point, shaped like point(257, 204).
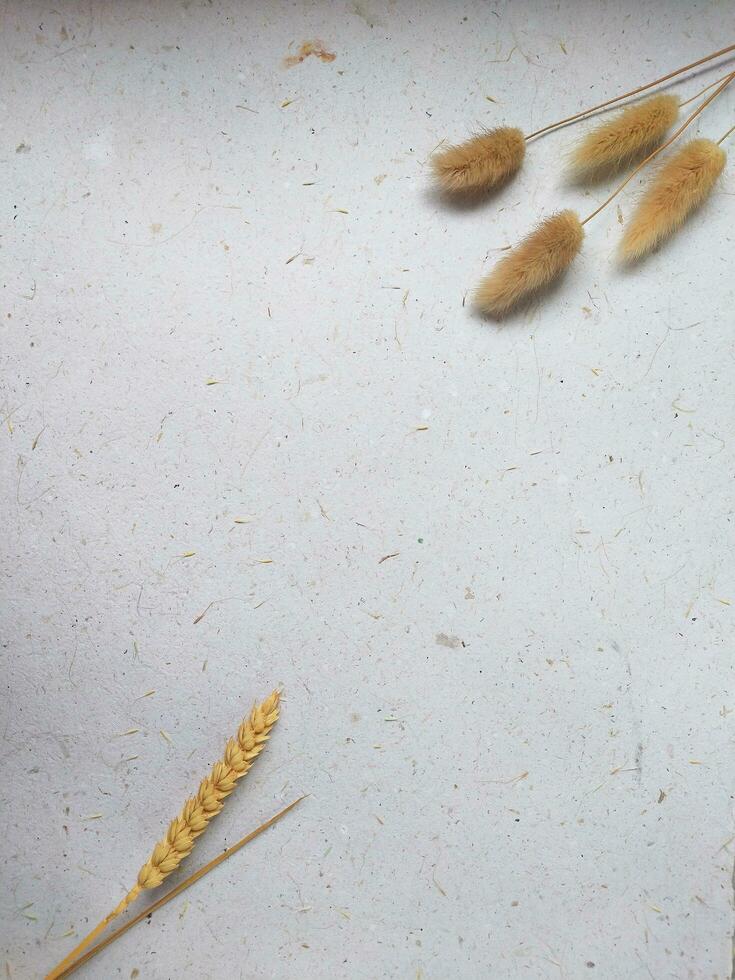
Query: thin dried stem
point(723, 138)
point(182, 886)
point(635, 91)
point(694, 98)
point(660, 149)
point(90, 937)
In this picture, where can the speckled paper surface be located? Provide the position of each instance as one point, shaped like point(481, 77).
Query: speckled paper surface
point(517, 730)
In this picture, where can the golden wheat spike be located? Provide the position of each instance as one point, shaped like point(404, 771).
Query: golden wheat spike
point(630, 134)
point(194, 818)
point(682, 184)
point(481, 163)
point(534, 263)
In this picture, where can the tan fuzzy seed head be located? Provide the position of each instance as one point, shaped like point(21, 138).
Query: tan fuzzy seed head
point(198, 810)
point(534, 263)
point(681, 185)
point(626, 137)
point(480, 163)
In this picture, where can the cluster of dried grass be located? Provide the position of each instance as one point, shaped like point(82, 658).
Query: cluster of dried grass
point(635, 134)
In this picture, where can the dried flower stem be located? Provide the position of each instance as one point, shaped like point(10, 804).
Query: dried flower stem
point(182, 886)
point(194, 819)
point(627, 95)
point(728, 133)
point(706, 88)
point(661, 148)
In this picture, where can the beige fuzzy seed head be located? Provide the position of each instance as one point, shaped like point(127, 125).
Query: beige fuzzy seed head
point(534, 263)
point(628, 136)
point(681, 184)
point(194, 819)
point(480, 163)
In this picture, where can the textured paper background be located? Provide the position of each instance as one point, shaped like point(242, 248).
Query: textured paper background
point(558, 493)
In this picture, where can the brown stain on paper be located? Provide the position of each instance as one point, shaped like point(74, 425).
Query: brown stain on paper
point(453, 642)
point(308, 48)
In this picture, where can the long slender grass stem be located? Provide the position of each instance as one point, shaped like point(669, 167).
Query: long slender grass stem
point(635, 91)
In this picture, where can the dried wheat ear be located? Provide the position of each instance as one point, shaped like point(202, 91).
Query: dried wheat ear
point(193, 820)
point(170, 851)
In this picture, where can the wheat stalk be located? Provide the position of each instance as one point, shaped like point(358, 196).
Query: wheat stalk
point(177, 890)
point(630, 134)
point(534, 263)
point(492, 157)
point(682, 184)
point(170, 851)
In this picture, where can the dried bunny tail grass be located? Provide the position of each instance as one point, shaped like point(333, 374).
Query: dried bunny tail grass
point(480, 163)
point(652, 156)
point(194, 819)
point(681, 185)
point(627, 136)
point(493, 156)
point(534, 263)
